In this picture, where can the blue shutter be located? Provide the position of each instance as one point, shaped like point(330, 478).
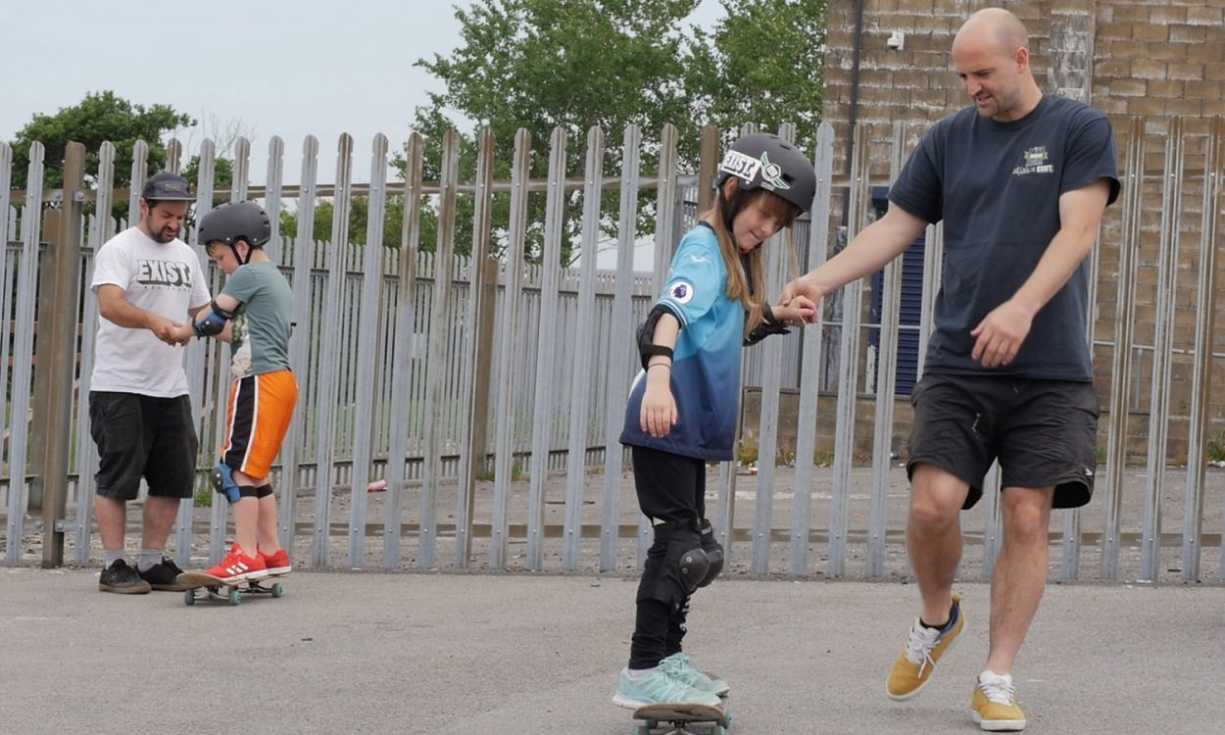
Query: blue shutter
point(911, 304)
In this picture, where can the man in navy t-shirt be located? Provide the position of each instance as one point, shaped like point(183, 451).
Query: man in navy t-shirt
point(1020, 181)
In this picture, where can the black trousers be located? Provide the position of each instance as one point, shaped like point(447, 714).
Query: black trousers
point(671, 490)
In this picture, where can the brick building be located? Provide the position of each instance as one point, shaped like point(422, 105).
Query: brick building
point(1151, 59)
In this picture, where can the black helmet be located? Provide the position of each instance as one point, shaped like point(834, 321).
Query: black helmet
point(765, 161)
point(167, 187)
point(230, 223)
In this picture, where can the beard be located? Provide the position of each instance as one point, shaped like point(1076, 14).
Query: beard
point(165, 235)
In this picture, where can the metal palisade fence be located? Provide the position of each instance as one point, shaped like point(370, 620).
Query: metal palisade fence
point(462, 411)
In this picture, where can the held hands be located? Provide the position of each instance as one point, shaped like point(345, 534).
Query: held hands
point(798, 309)
point(183, 332)
point(803, 294)
point(170, 332)
point(658, 413)
point(999, 336)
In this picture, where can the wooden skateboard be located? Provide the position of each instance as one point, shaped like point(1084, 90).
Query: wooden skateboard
point(233, 591)
point(683, 719)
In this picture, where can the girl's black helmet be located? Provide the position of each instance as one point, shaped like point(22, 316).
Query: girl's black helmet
point(765, 161)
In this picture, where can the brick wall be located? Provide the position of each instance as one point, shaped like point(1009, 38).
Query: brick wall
point(1154, 59)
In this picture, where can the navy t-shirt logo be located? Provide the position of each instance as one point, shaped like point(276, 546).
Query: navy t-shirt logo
point(1036, 162)
point(682, 292)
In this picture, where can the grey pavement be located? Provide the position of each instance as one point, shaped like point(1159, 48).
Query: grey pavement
point(458, 653)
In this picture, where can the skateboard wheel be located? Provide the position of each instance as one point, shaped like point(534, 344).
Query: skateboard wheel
point(235, 596)
point(189, 598)
point(277, 590)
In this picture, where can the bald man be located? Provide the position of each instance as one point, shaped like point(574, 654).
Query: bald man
point(1020, 180)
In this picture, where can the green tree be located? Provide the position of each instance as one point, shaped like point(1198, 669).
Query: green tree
point(98, 118)
point(359, 216)
point(574, 64)
point(541, 64)
point(223, 175)
point(224, 136)
point(763, 64)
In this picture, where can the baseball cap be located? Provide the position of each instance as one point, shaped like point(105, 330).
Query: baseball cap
point(167, 187)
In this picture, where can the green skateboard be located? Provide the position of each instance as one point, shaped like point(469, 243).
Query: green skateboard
point(220, 590)
point(682, 719)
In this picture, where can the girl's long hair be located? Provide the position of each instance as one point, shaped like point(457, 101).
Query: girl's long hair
point(749, 289)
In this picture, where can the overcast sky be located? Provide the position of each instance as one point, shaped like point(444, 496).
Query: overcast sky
point(281, 68)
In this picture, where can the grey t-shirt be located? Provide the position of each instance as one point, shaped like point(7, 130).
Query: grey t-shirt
point(260, 342)
point(997, 187)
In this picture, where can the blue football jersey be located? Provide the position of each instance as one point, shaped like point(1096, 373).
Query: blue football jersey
point(706, 359)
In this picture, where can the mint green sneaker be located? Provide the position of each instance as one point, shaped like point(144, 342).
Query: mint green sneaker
point(658, 688)
point(680, 667)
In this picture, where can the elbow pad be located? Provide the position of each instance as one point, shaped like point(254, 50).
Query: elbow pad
point(767, 327)
point(646, 334)
point(213, 322)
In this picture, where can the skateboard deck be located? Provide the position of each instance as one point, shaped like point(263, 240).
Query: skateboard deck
point(682, 719)
point(234, 591)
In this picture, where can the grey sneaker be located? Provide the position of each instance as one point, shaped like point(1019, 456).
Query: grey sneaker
point(121, 578)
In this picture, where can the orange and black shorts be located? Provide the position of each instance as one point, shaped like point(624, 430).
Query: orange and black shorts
point(257, 419)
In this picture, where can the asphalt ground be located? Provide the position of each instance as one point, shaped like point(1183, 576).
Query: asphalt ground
point(524, 653)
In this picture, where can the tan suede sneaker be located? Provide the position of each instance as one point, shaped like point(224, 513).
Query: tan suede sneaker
point(924, 648)
point(994, 704)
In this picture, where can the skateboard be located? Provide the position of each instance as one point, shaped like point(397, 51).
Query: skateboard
point(234, 591)
point(682, 719)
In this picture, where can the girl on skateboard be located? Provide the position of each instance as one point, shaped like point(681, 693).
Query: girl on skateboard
point(683, 406)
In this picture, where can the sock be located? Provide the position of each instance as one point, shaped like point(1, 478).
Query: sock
point(946, 625)
point(110, 557)
point(148, 558)
point(639, 674)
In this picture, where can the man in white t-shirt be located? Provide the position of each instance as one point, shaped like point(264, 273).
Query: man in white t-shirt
point(146, 280)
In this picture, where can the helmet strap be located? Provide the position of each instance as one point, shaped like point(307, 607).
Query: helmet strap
point(238, 256)
point(732, 208)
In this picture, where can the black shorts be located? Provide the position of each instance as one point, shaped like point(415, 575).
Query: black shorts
point(142, 436)
point(670, 487)
point(1044, 433)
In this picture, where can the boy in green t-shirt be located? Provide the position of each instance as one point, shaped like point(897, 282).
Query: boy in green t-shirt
point(253, 313)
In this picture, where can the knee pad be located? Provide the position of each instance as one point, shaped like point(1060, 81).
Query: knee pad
point(675, 567)
point(714, 553)
point(693, 565)
point(223, 482)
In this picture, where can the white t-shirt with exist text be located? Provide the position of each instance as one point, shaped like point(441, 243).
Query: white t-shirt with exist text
point(162, 278)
